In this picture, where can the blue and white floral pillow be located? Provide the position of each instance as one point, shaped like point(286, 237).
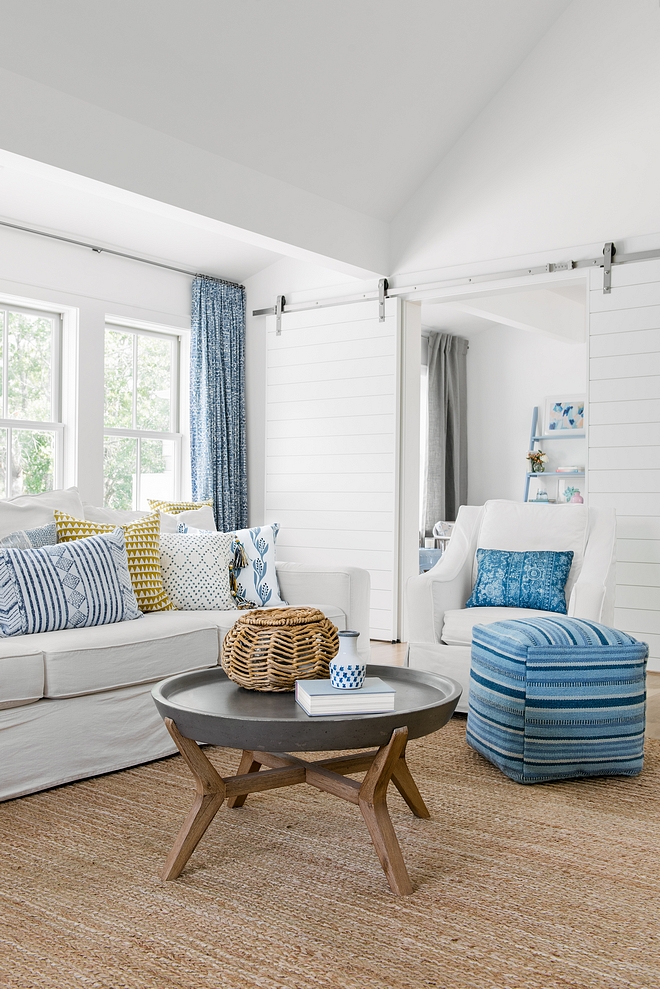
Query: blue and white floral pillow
point(535, 579)
point(254, 580)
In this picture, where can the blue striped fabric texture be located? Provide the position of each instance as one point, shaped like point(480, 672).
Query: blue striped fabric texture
point(71, 585)
point(557, 698)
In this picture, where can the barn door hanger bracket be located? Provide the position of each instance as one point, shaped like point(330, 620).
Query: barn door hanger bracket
point(279, 308)
point(382, 295)
point(608, 254)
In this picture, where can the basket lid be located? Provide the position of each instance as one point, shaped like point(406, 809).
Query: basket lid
point(281, 616)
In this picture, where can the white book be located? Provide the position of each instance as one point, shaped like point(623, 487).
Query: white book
point(317, 697)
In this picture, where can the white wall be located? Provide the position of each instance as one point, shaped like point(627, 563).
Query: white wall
point(93, 285)
point(509, 371)
point(567, 153)
point(50, 126)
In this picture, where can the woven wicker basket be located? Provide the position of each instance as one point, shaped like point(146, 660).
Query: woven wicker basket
point(271, 649)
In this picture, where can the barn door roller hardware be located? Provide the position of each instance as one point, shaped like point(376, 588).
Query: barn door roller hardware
point(382, 295)
point(609, 258)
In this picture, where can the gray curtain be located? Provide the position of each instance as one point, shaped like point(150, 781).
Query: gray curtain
point(446, 476)
point(217, 400)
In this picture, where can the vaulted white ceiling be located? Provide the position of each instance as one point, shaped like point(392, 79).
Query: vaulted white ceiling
point(354, 100)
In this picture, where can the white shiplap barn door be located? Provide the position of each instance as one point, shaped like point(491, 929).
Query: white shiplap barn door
point(624, 436)
point(332, 445)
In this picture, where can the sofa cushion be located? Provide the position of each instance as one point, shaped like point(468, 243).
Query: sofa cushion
point(142, 549)
point(457, 626)
point(196, 570)
point(199, 518)
point(71, 585)
point(21, 671)
point(158, 645)
point(521, 526)
point(30, 511)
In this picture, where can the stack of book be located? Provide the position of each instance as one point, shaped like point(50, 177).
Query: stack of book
point(570, 470)
point(317, 697)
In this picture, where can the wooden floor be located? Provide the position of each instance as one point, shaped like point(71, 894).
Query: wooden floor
point(394, 654)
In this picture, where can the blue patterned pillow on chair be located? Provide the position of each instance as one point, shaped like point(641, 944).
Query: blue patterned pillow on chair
point(253, 575)
point(535, 579)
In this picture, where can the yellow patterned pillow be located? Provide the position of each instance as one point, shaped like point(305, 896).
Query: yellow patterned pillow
point(142, 549)
point(175, 507)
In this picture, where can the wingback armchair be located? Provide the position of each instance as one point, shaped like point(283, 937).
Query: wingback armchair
point(439, 624)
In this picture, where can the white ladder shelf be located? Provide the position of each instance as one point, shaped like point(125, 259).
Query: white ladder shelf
point(561, 434)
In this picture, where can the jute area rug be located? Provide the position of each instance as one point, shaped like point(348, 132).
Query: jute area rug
point(516, 887)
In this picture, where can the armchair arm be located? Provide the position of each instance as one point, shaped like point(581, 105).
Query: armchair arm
point(348, 588)
point(447, 585)
point(593, 593)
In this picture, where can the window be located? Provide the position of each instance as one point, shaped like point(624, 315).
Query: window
point(142, 446)
point(31, 428)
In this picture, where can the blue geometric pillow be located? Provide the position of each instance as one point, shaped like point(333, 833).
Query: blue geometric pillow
point(535, 579)
point(71, 585)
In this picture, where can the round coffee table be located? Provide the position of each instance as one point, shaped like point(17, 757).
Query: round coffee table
point(208, 707)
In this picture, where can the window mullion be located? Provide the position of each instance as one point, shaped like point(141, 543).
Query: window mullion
point(138, 473)
point(10, 443)
point(135, 378)
point(5, 364)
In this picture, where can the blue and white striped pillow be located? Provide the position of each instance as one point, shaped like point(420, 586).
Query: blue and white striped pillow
point(71, 585)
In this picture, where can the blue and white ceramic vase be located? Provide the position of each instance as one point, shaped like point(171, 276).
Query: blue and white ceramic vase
point(347, 671)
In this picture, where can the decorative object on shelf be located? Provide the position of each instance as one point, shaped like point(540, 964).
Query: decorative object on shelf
point(564, 413)
point(538, 460)
point(347, 671)
point(269, 650)
point(576, 498)
point(570, 492)
point(542, 496)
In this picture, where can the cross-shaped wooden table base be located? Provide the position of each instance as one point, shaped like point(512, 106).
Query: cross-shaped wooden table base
point(380, 765)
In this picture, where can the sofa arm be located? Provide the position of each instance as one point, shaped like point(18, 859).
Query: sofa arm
point(447, 586)
point(348, 588)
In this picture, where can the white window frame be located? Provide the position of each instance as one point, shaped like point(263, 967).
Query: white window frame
point(56, 423)
point(175, 436)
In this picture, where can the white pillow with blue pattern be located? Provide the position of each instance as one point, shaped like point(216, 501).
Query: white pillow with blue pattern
point(71, 585)
point(253, 577)
point(43, 535)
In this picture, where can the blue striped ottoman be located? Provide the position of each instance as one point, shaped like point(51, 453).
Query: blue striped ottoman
point(554, 698)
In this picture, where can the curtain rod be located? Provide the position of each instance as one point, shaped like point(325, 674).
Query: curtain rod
point(117, 254)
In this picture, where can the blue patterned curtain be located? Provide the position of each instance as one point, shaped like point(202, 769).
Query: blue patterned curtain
point(217, 400)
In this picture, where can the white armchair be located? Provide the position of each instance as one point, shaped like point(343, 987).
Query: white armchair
point(439, 624)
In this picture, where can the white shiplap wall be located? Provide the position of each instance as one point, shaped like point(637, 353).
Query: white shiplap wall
point(331, 445)
point(624, 437)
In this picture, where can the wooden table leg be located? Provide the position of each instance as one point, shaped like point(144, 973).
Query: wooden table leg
point(372, 801)
point(210, 796)
point(248, 764)
point(405, 784)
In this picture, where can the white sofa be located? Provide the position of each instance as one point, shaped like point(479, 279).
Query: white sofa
point(439, 624)
point(77, 702)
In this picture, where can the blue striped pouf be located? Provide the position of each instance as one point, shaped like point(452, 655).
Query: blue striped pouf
point(557, 697)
